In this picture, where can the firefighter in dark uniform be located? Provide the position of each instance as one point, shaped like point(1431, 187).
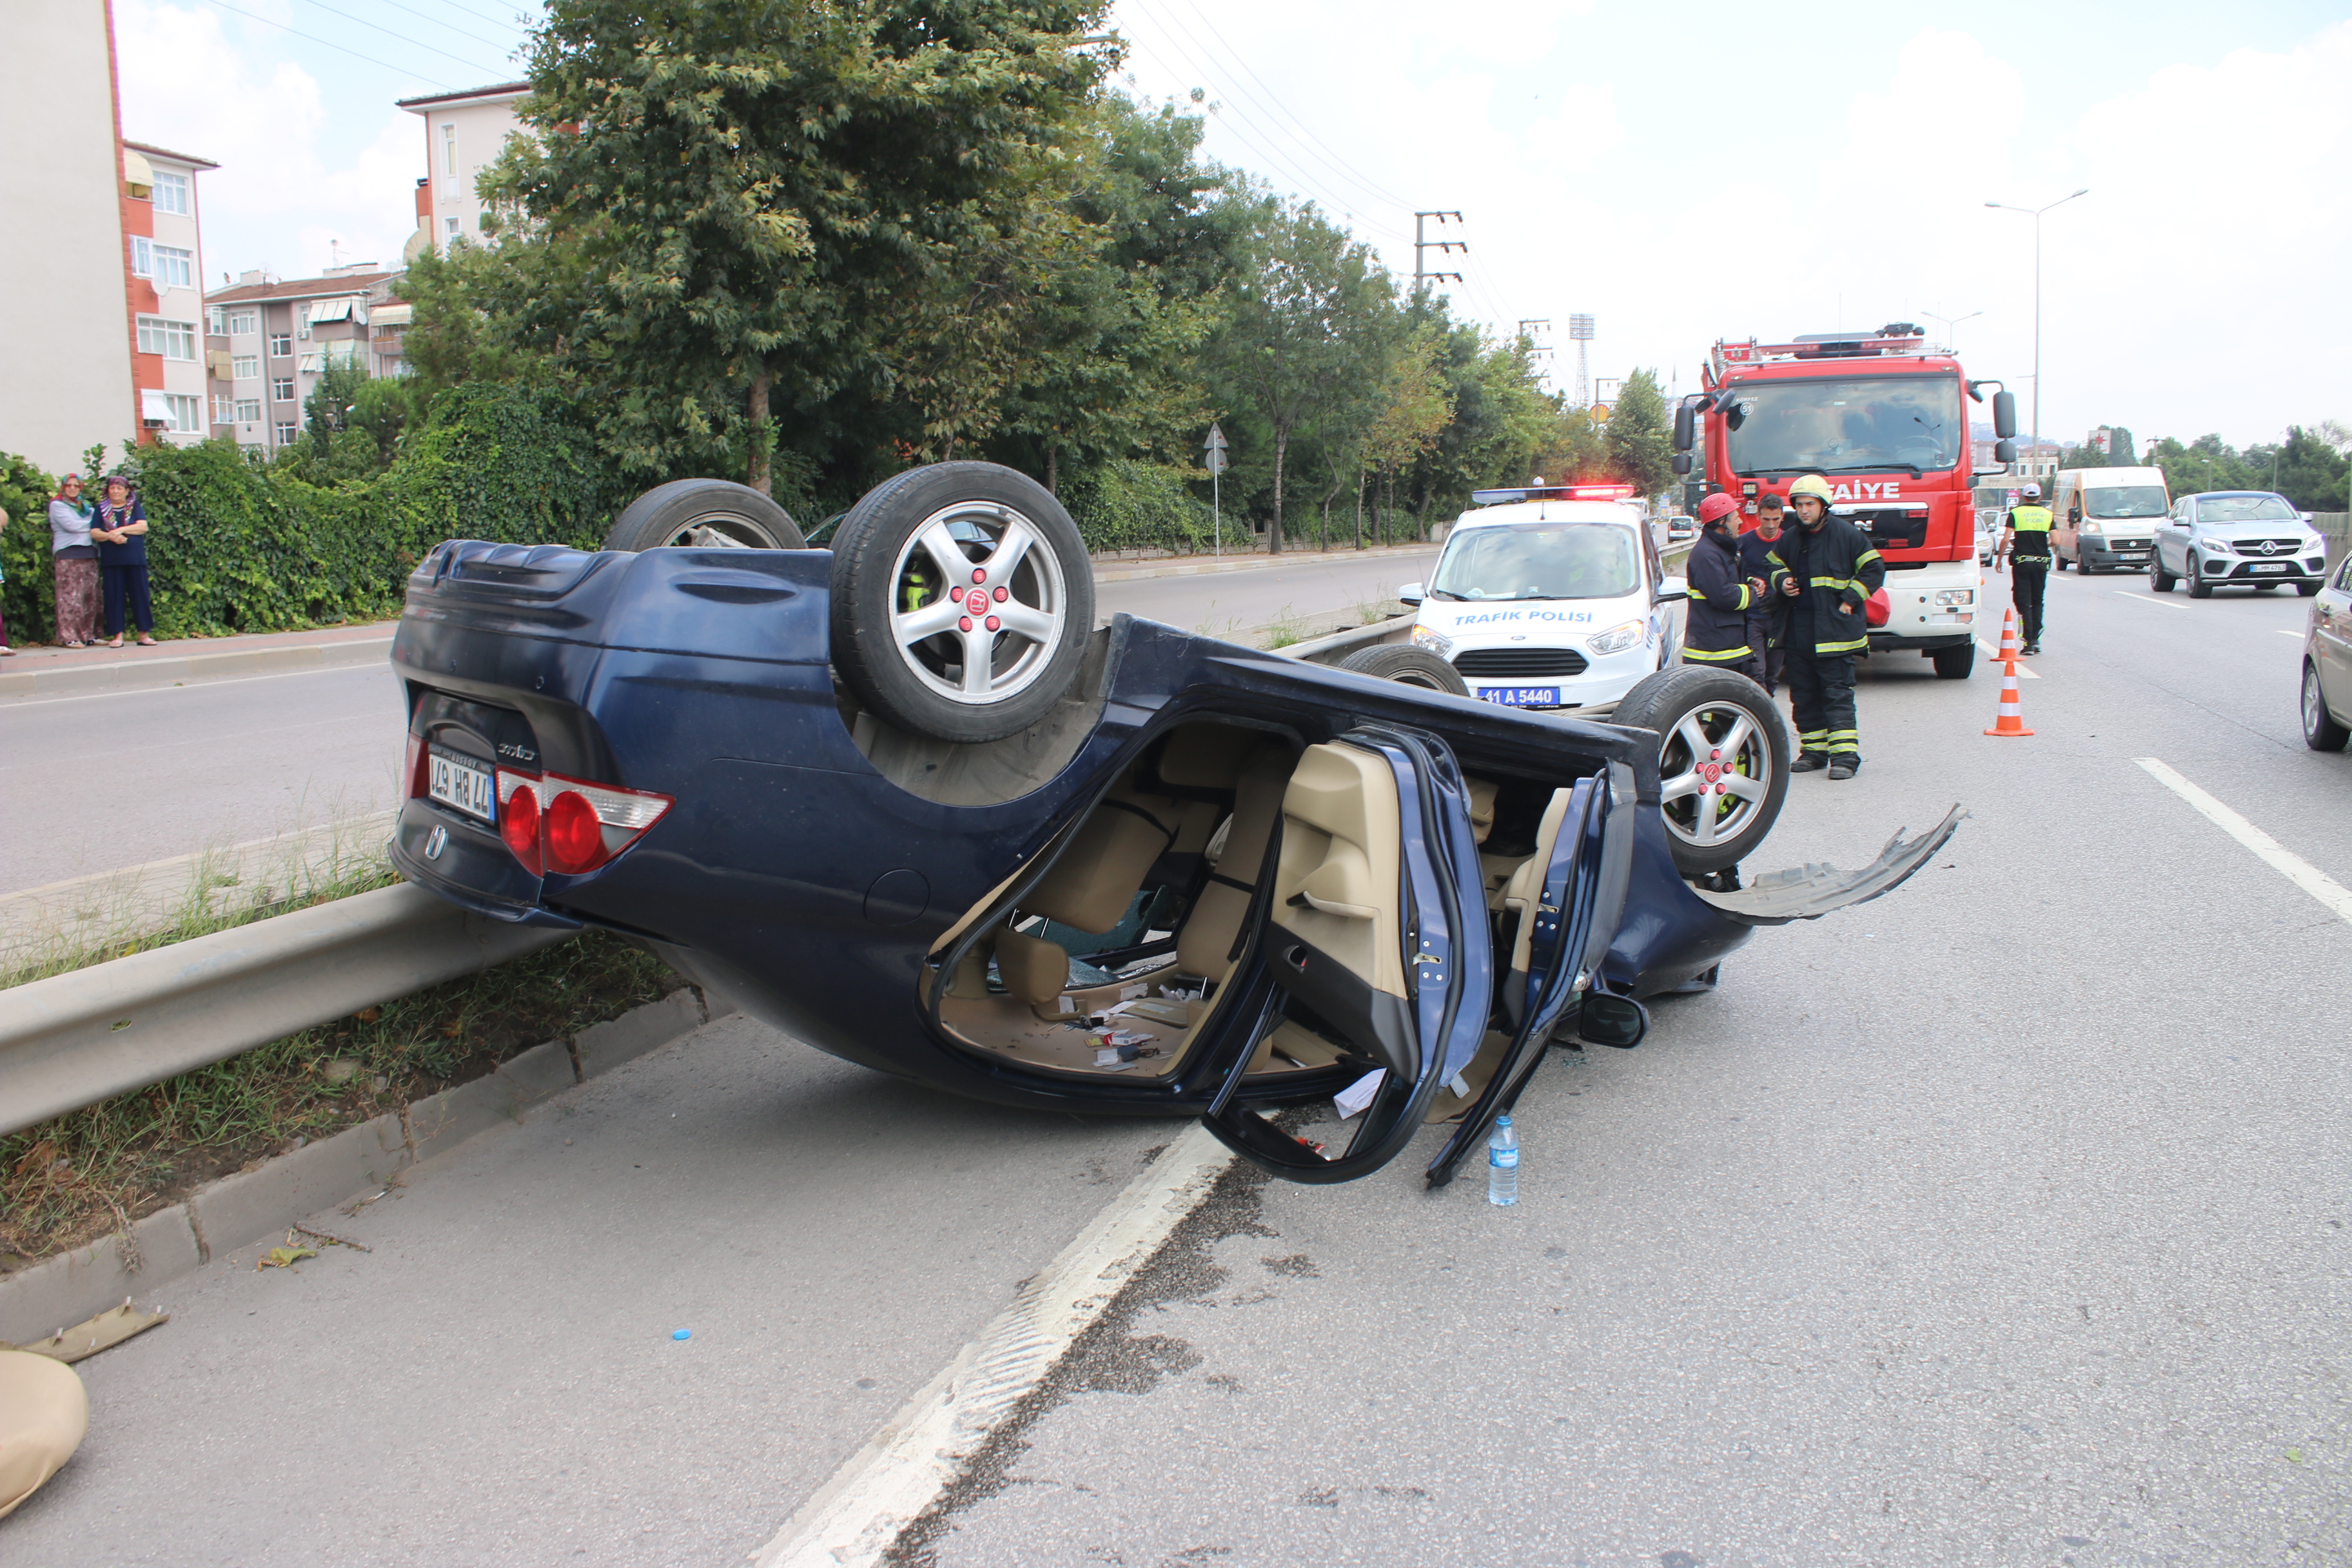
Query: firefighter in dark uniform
point(1756, 561)
point(1715, 630)
point(2025, 540)
point(1827, 573)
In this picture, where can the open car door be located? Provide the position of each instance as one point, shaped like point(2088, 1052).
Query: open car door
point(1369, 982)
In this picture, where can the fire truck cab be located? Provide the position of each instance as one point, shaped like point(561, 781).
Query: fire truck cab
point(1882, 417)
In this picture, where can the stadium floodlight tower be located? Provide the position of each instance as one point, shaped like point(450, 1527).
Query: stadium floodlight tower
point(1580, 329)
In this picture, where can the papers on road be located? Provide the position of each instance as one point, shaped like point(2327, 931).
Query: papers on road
point(1352, 1101)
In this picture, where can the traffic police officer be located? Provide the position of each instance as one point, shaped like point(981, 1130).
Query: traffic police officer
point(1715, 631)
point(2025, 540)
point(1826, 572)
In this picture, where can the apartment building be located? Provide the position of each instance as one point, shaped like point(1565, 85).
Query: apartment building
point(269, 340)
point(167, 267)
point(98, 282)
point(464, 133)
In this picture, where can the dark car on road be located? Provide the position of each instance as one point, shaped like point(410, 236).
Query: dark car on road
point(903, 799)
point(2236, 538)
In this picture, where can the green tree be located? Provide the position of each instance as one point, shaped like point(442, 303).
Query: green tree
point(770, 205)
point(1418, 405)
point(1640, 442)
point(2312, 473)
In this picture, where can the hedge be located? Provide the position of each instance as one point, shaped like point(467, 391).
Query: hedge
point(1130, 505)
point(237, 547)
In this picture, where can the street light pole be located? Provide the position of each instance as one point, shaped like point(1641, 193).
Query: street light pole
point(2035, 213)
point(1952, 326)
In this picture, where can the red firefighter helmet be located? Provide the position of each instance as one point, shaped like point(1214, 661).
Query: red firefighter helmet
point(1716, 506)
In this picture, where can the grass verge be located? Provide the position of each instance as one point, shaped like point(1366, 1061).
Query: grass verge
point(67, 1182)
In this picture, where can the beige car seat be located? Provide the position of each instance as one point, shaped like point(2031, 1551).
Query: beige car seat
point(44, 1414)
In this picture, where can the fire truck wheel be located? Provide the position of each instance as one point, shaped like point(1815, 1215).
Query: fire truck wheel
point(1723, 761)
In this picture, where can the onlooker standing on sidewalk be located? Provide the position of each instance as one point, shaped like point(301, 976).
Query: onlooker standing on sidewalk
point(120, 526)
point(1756, 561)
point(74, 559)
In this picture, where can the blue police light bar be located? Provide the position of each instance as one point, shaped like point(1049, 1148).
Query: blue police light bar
point(1552, 492)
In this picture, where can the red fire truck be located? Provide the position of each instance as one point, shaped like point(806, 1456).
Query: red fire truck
point(1883, 418)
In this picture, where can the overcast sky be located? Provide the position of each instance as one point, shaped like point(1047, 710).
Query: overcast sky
point(1680, 173)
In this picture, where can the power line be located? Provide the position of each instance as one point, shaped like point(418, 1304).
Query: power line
point(1330, 157)
point(485, 15)
point(404, 37)
point(436, 22)
point(322, 43)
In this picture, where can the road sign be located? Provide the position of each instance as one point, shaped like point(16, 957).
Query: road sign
point(1215, 448)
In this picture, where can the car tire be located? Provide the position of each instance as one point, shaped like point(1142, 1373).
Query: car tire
point(1414, 665)
point(1955, 663)
point(703, 514)
point(2307, 590)
point(2160, 580)
point(2321, 732)
point(2200, 585)
point(2264, 587)
point(889, 553)
point(1686, 705)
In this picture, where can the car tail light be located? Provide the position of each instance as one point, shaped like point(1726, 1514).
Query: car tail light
point(519, 819)
point(415, 769)
point(568, 826)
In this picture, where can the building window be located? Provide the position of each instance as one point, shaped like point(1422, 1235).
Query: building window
point(244, 323)
point(281, 343)
point(282, 389)
point(221, 406)
point(449, 153)
point(173, 340)
point(248, 410)
point(172, 194)
point(142, 257)
point(287, 432)
point(244, 367)
point(187, 414)
point(451, 225)
point(168, 265)
point(217, 320)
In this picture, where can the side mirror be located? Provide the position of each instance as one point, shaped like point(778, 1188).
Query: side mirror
point(1682, 462)
point(2005, 449)
point(1673, 588)
point(1606, 1020)
point(2005, 415)
point(1685, 432)
point(1411, 595)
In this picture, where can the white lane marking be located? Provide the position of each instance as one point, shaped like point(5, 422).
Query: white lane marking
point(851, 1519)
point(1992, 652)
point(199, 684)
point(2146, 599)
point(2293, 868)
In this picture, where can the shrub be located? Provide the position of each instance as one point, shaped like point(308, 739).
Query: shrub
point(1126, 504)
point(29, 598)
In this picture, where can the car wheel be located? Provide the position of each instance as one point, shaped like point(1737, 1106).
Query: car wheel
point(1955, 663)
point(1723, 759)
point(2200, 585)
point(2321, 732)
point(2307, 590)
point(1414, 665)
point(703, 514)
point(2264, 587)
point(2160, 580)
point(963, 598)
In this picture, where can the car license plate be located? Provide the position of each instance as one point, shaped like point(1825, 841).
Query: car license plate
point(461, 782)
point(2270, 566)
point(1522, 696)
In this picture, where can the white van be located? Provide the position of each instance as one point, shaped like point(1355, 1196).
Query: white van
point(1551, 598)
point(2104, 518)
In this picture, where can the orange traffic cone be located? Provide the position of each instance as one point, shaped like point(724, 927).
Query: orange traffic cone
point(2009, 719)
point(2007, 653)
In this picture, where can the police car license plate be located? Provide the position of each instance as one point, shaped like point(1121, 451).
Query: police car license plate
point(2270, 566)
point(1522, 696)
point(460, 781)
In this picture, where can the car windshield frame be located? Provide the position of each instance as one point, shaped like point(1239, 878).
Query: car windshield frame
point(1770, 436)
point(2093, 507)
point(2254, 502)
point(1479, 557)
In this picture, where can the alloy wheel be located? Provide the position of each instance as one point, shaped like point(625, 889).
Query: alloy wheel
point(1717, 775)
point(979, 609)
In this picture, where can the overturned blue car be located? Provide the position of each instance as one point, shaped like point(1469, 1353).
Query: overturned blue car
point(902, 798)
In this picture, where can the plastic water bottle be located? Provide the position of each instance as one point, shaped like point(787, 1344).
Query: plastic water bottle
point(1503, 1164)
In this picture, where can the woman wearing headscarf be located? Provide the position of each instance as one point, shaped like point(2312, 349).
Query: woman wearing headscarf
point(74, 558)
point(120, 526)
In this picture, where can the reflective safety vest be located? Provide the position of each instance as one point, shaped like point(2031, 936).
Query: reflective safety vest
point(1715, 629)
point(2030, 527)
point(1840, 568)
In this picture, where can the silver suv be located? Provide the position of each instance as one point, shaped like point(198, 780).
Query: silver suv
point(2236, 538)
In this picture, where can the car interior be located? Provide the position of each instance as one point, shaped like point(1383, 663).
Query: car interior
point(1114, 958)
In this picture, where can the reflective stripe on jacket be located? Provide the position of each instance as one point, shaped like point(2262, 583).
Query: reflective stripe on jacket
point(1842, 569)
point(1716, 629)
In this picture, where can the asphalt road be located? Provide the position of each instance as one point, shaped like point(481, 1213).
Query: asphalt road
point(100, 783)
point(1999, 1221)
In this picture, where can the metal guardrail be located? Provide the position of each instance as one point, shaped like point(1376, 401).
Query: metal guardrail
point(74, 1040)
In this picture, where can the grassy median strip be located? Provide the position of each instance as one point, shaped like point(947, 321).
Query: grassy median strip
point(82, 1176)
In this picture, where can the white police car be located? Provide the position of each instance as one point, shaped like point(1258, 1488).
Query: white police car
point(1550, 597)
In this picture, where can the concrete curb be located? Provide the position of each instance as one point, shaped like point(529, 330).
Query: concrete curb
point(248, 1205)
point(1194, 567)
point(139, 674)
